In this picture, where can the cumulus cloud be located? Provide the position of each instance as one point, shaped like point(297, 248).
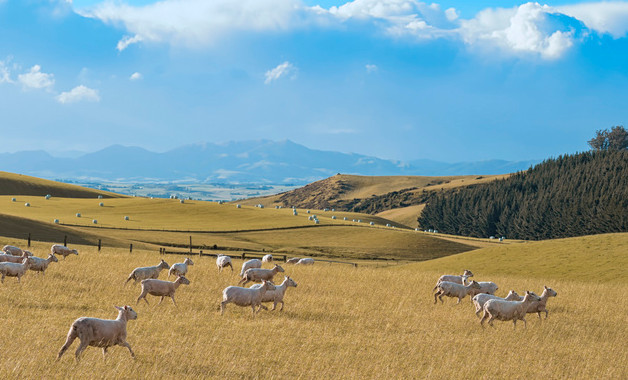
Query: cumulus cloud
point(281, 70)
point(603, 17)
point(5, 72)
point(77, 94)
point(34, 78)
point(135, 76)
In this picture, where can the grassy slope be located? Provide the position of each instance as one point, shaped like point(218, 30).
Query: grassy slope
point(339, 322)
point(406, 216)
point(18, 184)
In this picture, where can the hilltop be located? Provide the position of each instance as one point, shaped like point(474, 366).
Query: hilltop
point(18, 184)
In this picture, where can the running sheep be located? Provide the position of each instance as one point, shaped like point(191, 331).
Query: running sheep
point(58, 249)
point(305, 261)
point(98, 332)
point(143, 273)
point(508, 310)
point(276, 295)
point(293, 260)
point(245, 296)
point(223, 261)
point(40, 265)
point(180, 269)
point(259, 274)
point(14, 269)
point(453, 278)
point(253, 263)
point(15, 251)
point(267, 258)
point(480, 299)
point(539, 306)
point(4, 258)
point(161, 288)
point(451, 289)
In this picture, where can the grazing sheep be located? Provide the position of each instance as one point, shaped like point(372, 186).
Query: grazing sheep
point(259, 274)
point(305, 261)
point(143, 273)
point(58, 249)
point(40, 265)
point(245, 296)
point(161, 288)
point(180, 269)
point(223, 261)
point(451, 289)
point(14, 269)
point(98, 332)
point(277, 294)
point(253, 263)
point(539, 306)
point(508, 310)
point(453, 278)
point(293, 260)
point(480, 299)
point(267, 258)
point(4, 258)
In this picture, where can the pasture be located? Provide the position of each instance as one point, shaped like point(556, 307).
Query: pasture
point(340, 322)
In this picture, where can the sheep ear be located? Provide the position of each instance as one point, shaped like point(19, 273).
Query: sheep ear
point(545, 286)
point(117, 307)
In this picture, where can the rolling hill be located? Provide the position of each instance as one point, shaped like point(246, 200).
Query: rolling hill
point(18, 184)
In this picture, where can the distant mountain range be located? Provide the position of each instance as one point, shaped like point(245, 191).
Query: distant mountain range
point(258, 161)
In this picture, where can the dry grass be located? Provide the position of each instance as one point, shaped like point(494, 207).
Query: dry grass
point(12, 184)
point(340, 322)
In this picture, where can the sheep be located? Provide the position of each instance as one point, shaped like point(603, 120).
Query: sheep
point(480, 299)
point(4, 258)
point(40, 265)
point(58, 249)
point(14, 269)
point(276, 295)
point(508, 310)
point(253, 263)
point(223, 261)
point(487, 287)
point(267, 258)
point(453, 278)
point(15, 251)
point(539, 306)
point(143, 273)
point(259, 274)
point(293, 260)
point(180, 269)
point(452, 289)
point(161, 288)
point(245, 296)
point(305, 261)
point(98, 332)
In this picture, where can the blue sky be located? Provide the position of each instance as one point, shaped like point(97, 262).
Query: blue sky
point(400, 79)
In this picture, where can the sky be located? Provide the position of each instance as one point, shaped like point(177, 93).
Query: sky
point(397, 79)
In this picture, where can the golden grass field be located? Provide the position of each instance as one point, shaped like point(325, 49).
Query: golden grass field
point(340, 322)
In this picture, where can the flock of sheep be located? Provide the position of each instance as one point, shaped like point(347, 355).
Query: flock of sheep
point(511, 308)
point(14, 262)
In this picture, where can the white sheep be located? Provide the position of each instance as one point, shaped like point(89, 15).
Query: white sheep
point(487, 287)
point(293, 260)
point(253, 263)
point(14, 269)
point(277, 295)
point(40, 265)
point(480, 299)
point(143, 273)
point(260, 274)
point(58, 249)
point(4, 258)
point(539, 306)
point(507, 310)
point(13, 250)
point(453, 278)
point(180, 269)
point(267, 258)
point(452, 289)
point(305, 261)
point(223, 261)
point(245, 296)
point(98, 332)
point(161, 288)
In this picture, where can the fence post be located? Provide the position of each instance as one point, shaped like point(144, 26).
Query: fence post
point(200, 253)
point(65, 240)
point(285, 258)
point(190, 244)
point(29, 240)
point(99, 244)
point(131, 248)
point(243, 255)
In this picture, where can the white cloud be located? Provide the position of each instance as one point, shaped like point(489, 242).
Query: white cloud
point(5, 72)
point(78, 94)
point(128, 40)
point(281, 70)
point(135, 76)
point(36, 79)
point(370, 68)
point(603, 17)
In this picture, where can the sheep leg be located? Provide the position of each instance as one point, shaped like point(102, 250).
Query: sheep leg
point(223, 306)
point(459, 299)
point(483, 319)
point(281, 306)
point(440, 297)
point(104, 352)
point(546, 314)
point(68, 342)
point(143, 295)
point(275, 306)
point(80, 349)
point(490, 321)
point(262, 307)
point(128, 279)
point(162, 298)
point(539, 314)
point(253, 307)
point(172, 296)
point(525, 324)
point(127, 345)
point(435, 295)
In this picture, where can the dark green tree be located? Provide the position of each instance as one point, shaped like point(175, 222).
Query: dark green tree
point(615, 139)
